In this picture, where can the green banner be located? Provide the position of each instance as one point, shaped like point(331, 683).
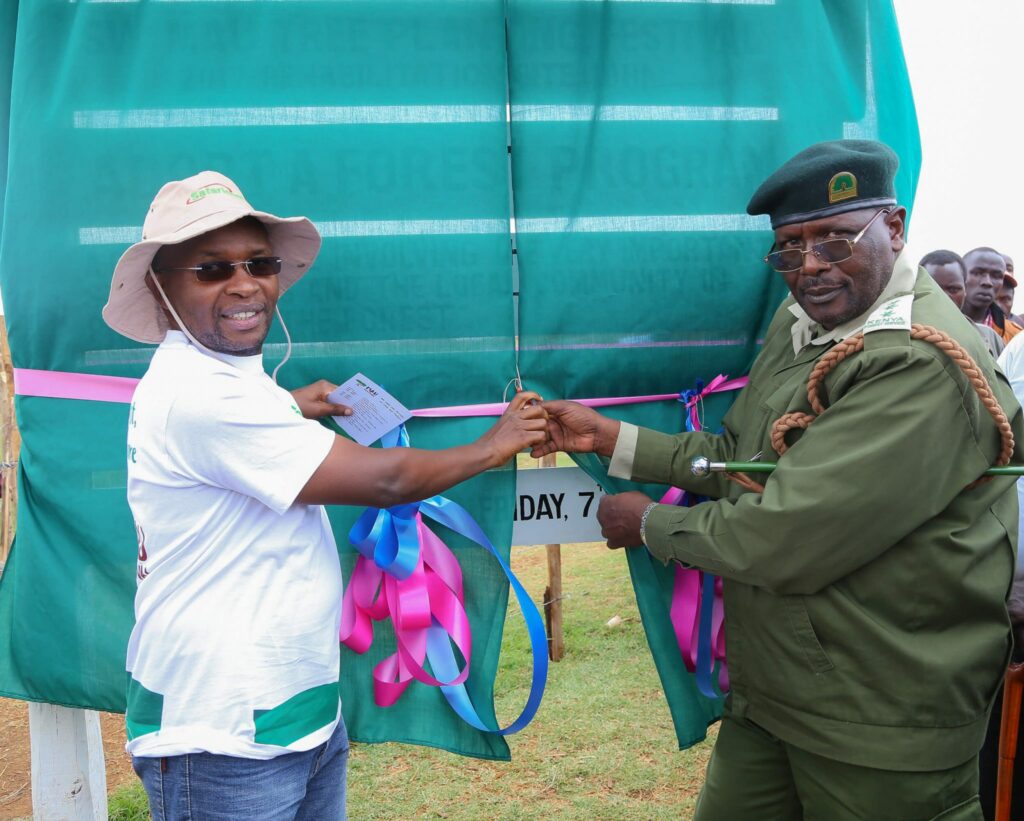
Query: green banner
point(638, 131)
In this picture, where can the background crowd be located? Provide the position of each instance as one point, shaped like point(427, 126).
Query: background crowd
point(982, 284)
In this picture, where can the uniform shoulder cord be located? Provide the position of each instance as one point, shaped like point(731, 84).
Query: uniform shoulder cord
point(854, 344)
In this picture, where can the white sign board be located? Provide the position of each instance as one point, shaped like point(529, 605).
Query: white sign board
point(555, 506)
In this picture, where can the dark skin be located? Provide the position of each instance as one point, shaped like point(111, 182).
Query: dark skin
point(211, 309)
point(985, 271)
point(834, 293)
point(830, 294)
point(234, 317)
point(950, 278)
point(1004, 299)
point(574, 428)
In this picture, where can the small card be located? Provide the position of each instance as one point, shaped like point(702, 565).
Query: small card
point(374, 410)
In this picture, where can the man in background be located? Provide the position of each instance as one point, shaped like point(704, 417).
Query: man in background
point(985, 269)
point(947, 269)
point(1004, 299)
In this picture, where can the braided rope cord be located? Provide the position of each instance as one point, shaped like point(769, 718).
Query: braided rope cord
point(854, 344)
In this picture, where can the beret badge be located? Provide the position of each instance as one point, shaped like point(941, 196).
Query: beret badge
point(843, 186)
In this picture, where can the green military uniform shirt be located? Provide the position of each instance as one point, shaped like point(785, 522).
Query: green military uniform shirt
point(865, 588)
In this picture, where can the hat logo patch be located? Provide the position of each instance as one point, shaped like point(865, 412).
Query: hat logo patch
point(209, 190)
point(843, 186)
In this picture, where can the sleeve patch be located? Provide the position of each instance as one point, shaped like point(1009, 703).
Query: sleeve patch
point(893, 315)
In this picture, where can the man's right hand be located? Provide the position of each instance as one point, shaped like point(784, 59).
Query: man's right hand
point(575, 428)
point(521, 426)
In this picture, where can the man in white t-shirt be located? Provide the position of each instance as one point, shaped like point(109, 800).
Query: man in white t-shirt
point(233, 709)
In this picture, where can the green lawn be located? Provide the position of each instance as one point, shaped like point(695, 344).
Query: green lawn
point(602, 745)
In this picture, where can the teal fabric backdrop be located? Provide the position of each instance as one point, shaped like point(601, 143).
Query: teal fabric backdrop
point(638, 131)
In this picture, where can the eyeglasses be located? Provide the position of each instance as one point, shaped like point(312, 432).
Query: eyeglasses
point(221, 269)
point(828, 251)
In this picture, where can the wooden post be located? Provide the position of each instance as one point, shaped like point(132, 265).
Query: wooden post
point(69, 782)
point(1013, 688)
point(10, 447)
point(553, 593)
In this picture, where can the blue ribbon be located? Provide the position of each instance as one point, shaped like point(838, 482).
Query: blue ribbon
point(383, 535)
point(705, 666)
point(387, 536)
point(688, 396)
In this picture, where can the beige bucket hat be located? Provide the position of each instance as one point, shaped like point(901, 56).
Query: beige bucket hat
point(184, 209)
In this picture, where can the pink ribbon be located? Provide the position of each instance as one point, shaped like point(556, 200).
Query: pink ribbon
point(498, 408)
point(687, 601)
point(101, 388)
point(719, 384)
point(67, 385)
point(687, 589)
point(430, 598)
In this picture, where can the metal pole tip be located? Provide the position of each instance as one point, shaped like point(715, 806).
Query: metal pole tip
point(700, 466)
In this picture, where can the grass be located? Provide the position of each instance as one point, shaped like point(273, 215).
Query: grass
point(601, 747)
point(128, 804)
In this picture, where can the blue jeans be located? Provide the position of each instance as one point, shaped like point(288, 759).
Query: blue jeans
point(306, 786)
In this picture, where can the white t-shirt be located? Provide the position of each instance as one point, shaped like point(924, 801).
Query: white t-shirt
point(1011, 360)
point(235, 644)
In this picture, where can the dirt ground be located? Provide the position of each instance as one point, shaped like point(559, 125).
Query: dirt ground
point(15, 758)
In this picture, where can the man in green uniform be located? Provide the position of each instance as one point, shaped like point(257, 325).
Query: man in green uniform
point(865, 587)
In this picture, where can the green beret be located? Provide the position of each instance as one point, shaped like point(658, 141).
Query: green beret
point(826, 179)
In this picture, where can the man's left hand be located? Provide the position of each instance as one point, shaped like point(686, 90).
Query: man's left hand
point(312, 401)
point(619, 516)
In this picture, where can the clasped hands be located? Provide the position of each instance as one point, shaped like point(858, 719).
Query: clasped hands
point(545, 427)
point(575, 428)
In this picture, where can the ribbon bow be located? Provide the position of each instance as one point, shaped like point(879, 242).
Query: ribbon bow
point(405, 572)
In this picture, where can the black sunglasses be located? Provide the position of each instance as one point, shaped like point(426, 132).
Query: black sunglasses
point(222, 269)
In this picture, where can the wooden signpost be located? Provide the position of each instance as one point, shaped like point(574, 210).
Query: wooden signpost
point(555, 506)
point(553, 592)
point(10, 447)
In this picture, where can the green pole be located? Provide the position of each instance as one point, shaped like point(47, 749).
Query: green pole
point(702, 466)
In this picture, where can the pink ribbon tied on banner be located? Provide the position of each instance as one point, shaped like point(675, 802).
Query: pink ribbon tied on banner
point(694, 590)
point(720, 384)
point(431, 597)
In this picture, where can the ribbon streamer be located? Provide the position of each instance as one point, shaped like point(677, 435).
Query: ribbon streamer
point(68, 385)
point(697, 611)
point(405, 572)
point(102, 388)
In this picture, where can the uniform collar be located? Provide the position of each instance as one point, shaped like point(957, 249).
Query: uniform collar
point(806, 331)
